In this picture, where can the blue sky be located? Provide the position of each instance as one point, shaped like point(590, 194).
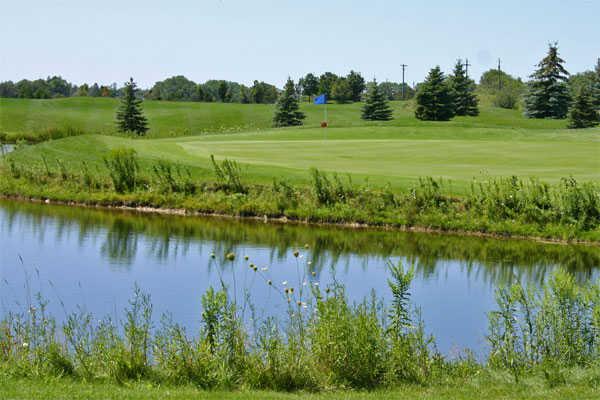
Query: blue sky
point(108, 41)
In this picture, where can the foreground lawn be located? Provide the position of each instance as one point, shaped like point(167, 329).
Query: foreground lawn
point(65, 389)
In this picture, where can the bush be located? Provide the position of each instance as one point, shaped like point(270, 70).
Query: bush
point(507, 98)
point(123, 168)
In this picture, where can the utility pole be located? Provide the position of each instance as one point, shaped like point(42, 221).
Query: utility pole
point(467, 65)
point(403, 68)
point(499, 76)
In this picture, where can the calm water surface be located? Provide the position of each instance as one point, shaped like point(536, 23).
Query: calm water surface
point(93, 259)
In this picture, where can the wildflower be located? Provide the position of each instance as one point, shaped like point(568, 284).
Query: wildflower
point(264, 269)
point(291, 290)
point(299, 303)
point(230, 256)
point(304, 283)
point(286, 290)
point(316, 283)
point(304, 305)
point(313, 273)
point(269, 282)
point(255, 268)
point(309, 262)
point(306, 246)
point(327, 290)
point(212, 255)
point(284, 283)
point(252, 266)
point(25, 345)
point(246, 258)
point(296, 253)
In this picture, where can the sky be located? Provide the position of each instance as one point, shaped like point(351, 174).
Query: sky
point(108, 41)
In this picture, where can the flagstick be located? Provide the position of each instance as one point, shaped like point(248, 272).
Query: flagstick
point(326, 122)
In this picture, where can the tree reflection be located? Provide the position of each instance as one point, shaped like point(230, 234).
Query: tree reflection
point(166, 238)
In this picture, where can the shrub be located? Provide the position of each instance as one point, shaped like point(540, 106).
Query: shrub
point(507, 98)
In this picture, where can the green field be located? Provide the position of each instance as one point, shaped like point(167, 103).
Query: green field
point(497, 143)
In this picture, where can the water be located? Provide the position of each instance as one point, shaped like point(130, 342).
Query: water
point(6, 148)
point(93, 258)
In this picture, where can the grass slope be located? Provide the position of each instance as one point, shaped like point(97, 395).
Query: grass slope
point(497, 143)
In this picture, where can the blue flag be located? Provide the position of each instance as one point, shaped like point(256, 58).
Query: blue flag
point(320, 99)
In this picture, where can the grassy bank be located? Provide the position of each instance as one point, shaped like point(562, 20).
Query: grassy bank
point(507, 207)
point(544, 343)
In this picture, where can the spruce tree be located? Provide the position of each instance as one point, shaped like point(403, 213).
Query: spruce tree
point(596, 86)
point(548, 94)
point(434, 98)
point(376, 107)
point(583, 113)
point(130, 117)
point(287, 111)
point(463, 91)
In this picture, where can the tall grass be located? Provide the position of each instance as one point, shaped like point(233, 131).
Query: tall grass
point(566, 210)
point(324, 342)
point(557, 326)
point(123, 167)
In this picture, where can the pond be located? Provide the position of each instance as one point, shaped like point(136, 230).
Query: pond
point(93, 259)
point(6, 148)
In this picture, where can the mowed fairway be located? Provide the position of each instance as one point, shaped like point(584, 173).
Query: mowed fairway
point(498, 143)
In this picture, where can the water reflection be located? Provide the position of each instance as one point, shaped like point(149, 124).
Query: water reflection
point(166, 238)
point(94, 257)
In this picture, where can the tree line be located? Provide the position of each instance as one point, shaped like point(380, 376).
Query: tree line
point(179, 88)
point(53, 87)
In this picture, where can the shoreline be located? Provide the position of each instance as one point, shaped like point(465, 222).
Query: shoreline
point(182, 212)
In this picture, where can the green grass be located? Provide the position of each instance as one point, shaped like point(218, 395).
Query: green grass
point(97, 115)
point(64, 389)
point(497, 143)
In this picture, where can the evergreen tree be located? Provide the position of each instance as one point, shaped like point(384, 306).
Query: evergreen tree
point(548, 95)
point(463, 91)
point(434, 98)
point(376, 107)
point(583, 113)
point(596, 88)
point(287, 110)
point(129, 116)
